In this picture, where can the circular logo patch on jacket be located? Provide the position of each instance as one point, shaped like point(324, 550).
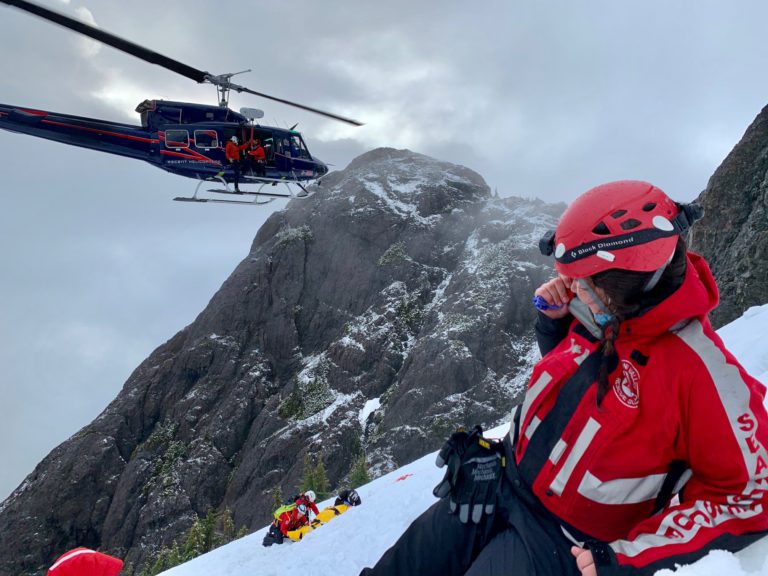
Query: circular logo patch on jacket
point(626, 386)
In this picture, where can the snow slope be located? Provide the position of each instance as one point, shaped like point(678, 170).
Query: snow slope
point(359, 537)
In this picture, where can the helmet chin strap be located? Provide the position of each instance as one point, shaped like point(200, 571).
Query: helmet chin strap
point(653, 280)
point(600, 319)
point(595, 298)
point(604, 316)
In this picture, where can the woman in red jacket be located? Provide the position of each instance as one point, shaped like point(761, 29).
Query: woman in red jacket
point(641, 441)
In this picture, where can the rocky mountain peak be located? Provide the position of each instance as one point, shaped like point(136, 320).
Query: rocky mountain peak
point(371, 318)
point(409, 183)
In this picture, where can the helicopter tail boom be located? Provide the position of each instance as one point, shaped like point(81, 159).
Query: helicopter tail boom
point(113, 137)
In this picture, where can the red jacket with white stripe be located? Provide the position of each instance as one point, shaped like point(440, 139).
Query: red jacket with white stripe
point(291, 520)
point(85, 562)
point(676, 395)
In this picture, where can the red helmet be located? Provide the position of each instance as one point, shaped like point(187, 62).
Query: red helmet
point(629, 225)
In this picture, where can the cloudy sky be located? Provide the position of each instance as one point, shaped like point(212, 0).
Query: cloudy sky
point(545, 99)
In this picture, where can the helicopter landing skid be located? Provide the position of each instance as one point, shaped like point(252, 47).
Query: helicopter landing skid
point(222, 201)
point(226, 190)
point(270, 196)
point(302, 193)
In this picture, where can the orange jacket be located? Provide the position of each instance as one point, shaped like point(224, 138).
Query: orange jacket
point(258, 154)
point(233, 151)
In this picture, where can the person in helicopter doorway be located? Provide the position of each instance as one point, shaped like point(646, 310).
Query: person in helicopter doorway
point(641, 442)
point(257, 157)
point(233, 154)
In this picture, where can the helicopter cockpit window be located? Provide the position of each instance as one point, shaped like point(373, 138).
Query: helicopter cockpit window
point(176, 139)
point(206, 139)
point(298, 149)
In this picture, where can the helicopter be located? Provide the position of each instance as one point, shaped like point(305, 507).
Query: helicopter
point(184, 138)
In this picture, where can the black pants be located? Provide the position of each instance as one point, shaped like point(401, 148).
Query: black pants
point(258, 168)
point(236, 167)
point(515, 542)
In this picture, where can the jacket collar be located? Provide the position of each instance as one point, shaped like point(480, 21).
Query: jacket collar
point(695, 298)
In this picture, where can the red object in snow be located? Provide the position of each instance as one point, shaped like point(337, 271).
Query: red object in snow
point(85, 562)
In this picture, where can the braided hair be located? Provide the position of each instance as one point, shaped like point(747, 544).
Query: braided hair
point(627, 298)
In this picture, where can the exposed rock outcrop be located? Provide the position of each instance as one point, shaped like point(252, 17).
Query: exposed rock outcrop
point(376, 315)
point(733, 235)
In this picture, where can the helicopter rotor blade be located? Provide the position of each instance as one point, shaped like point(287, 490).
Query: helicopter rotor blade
point(110, 40)
point(154, 58)
point(237, 88)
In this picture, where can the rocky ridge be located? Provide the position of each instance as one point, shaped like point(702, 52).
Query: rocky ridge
point(733, 235)
point(372, 317)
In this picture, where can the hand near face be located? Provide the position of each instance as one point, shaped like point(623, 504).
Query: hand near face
point(556, 292)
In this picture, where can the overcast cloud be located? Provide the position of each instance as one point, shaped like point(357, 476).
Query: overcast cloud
point(544, 99)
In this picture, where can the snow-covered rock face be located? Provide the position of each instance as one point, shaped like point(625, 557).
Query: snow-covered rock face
point(375, 316)
point(413, 186)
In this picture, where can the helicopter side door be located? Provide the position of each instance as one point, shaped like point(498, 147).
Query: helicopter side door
point(265, 138)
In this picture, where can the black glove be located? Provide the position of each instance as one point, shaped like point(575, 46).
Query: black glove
point(473, 475)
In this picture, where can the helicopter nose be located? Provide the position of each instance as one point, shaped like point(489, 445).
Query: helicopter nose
point(322, 169)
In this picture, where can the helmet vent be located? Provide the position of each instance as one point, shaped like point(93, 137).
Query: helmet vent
point(630, 223)
point(601, 229)
point(618, 213)
point(650, 206)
